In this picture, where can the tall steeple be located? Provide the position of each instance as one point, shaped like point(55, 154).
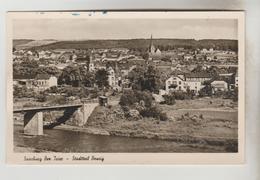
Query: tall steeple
point(151, 46)
point(151, 42)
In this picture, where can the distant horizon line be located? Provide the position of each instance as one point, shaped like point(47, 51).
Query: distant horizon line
point(120, 39)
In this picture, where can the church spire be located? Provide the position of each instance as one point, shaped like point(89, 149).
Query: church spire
point(151, 41)
point(151, 46)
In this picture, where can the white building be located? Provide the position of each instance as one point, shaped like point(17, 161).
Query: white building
point(111, 77)
point(236, 80)
point(91, 67)
point(174, 83)
point(219, 85)
point(188, 57)
point(40, 82)
point(193, 86)
point(44, 81)
point(180, 82)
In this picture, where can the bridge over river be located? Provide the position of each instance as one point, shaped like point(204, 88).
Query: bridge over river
point(33, 116)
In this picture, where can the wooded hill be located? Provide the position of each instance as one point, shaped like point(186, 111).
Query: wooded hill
point(222, 44)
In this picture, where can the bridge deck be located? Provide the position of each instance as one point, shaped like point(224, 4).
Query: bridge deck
point(46, 108)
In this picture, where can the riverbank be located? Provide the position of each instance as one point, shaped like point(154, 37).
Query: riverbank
point(135, 129)
point(29, 149)
point(189, 123)
point(195, 141)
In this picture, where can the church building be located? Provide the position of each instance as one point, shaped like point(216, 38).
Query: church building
point(153, 51)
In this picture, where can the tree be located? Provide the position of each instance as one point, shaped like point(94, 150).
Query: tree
point(101, 78)
point(145, 79)
point(206, 90)
point(70, 75)
point(26, 68)
point(53, 89)
point(131, 97)
point(54, 71)
point(166, 58)
point(128, 98)
point(145, 55)
point(151, 80)
point(136, 77)
point(41, 97)
point(76, 76)
point(235, 96)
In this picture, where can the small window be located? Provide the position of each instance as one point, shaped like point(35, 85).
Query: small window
point(179, 82)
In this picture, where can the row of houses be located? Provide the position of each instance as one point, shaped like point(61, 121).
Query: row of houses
point(195, 82)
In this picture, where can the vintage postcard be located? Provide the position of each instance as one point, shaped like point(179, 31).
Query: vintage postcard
point(125, 87)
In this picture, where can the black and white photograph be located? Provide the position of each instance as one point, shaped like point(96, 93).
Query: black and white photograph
point(125, 83)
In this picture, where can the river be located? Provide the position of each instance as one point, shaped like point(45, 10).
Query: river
point(58, 140)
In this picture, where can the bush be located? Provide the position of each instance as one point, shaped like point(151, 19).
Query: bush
point(141, 102)
point(169, 99)
point(144, 96)
point(206, 91)
point(130, 98)
point(53, 89)
point(29, 104)
point(235, 97)
point(84, 93)
point(94, 93)
point(163, 116)
point(231, 95)
point(58, 100)
point(154, 112)
point(220, 94)
point(41, 97)
point(23, 92)
point(178, 95)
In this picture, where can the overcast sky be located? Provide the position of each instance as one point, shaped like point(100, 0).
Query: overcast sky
point(83, 29)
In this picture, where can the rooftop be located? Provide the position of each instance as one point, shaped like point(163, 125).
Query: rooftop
point(198, 75)
point(42, 77)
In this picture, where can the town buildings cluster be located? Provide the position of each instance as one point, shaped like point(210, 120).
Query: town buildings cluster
point(177, 66)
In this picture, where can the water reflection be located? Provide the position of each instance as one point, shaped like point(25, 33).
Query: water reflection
point(71, 141)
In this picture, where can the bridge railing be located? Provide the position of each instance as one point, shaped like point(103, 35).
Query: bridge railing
point(57, 106)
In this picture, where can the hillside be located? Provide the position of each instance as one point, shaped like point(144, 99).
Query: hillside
point(138, 43)
point(26, 44)
point(17, 42)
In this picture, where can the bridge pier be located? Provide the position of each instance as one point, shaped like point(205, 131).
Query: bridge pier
point(87, 109)
point(33, 117)
point(33, 123)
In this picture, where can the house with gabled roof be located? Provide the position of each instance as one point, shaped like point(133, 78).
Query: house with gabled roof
point(219, 85)
point(38, 82)
point(45, 81)
point(186, 81)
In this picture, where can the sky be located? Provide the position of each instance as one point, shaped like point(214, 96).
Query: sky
point(84, 29)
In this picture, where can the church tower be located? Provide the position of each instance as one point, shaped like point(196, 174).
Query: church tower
point(152, 49)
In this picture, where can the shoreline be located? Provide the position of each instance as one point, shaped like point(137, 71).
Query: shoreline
point(183, 138)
